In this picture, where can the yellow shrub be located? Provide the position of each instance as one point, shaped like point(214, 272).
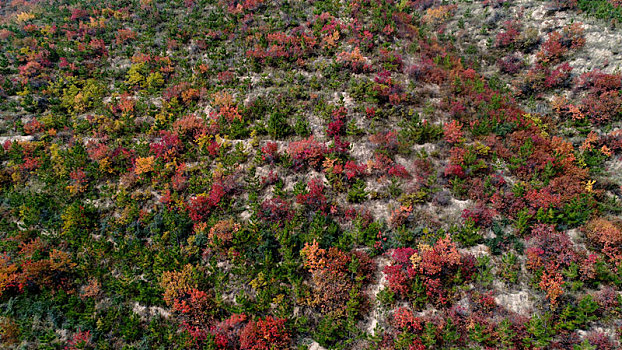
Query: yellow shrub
point(25, 16)
point(155, 80)
point(144, 164)
point(80, 99)
point(176, 283)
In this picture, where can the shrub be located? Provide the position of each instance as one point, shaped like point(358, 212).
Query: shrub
point(336, 276)
point(357, 193)
point(226, 333)
point(269, 152)
point(578, 315)
point(195, 308)
point(548, 247)
point(386, 140)
point(80, 340)
point(265, 334)
point(124, 35)
point(558, 44)
point(275, 210)
point(598, 82)
point(352, 170)
point(480, 215)
point(144, 165)
point(200, 206)
point(278, 126)
point(188, 128)
point(552, 282)
point(510, 35)
point(35, 267)
point(177, 283)
point(601, 341)
point(602, 108)
point(354, 60)
point(222, 232)
point(387, 89)
point(429, 270)
point(510, 64)
point(307, 151)
point(606, 236)
point(314, 198)
point(81, 96)
point(559, 77)
point(453, 132)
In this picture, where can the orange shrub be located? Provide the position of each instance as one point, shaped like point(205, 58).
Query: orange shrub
point(223, 231)
point(177, 283)
point(607, 236)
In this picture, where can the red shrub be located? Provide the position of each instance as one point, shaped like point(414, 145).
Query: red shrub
point(32, 127)
point(398, 280)
point(598, 82)
point(78, 181)
point(387, 89)
point(540, 77)
point(386, 140)
point(436, 266)
point(225, 76)
point(351, 169)
point(200, 206)
point(354, 60)
point(182, 92)
point(602, 108)
point(480, 215)
point(565, 4)
point(79, 14)
point(552, 282)
point(275, 210)
point(404, 319)
point(543, 198)
point(265, 334)
point(333, 277)
point(79, 340)
point(190, 127)
point(124, 35)
point(398, 170)
point(230, 113)
point(607, 236)
point(607, 299)
point(306, 151)
point(452, 170)
point(427, 71)
point(315, 198)
point(601, 341)
point(391, 60)
point(168, 147)
point(222, 232)
point(453, 132)
point(195, 308)
point(337, 125)
point(402, 255)
point(179, 180)
point(269, 152)
point(99, 47)
point(549, 247)
point(559, 77)
point(226, 333)
point(558, 44)
point(30, 70)
point(510, 34)
point(510, 64)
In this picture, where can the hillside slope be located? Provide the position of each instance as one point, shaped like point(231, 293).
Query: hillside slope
point(257, 174)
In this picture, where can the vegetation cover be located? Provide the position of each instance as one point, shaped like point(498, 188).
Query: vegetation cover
point(257, 174)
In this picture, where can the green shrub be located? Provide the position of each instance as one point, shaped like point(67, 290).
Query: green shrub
point(357, 193)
